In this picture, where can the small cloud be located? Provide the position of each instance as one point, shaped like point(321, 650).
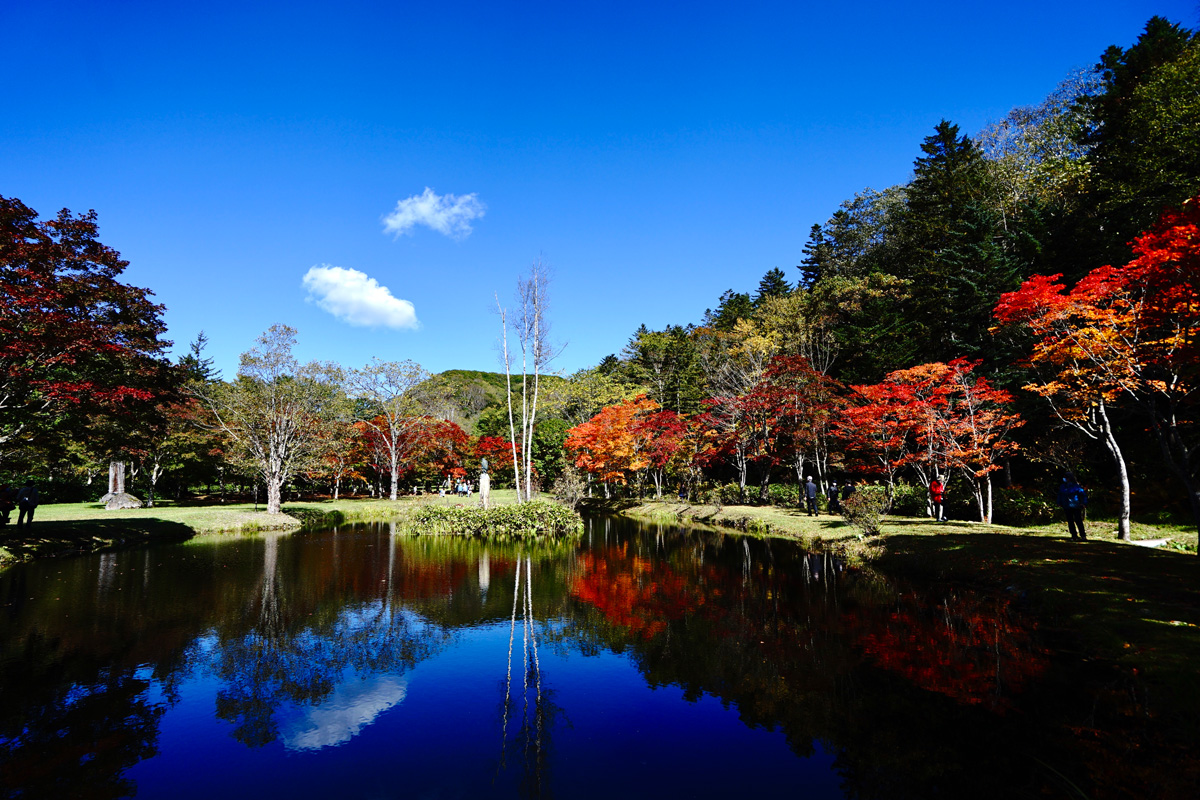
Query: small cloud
point(357, 299)
point(448, 214)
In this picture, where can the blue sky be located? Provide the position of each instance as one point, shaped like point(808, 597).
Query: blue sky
point(653, 154)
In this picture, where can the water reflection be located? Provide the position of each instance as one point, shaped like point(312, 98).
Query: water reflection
point(368, 646)
point(349, 708)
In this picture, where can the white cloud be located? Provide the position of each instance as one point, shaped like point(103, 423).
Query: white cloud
point(447, 214)
point(357, 299)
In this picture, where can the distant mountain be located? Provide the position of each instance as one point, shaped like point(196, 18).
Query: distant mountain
point(474, 392)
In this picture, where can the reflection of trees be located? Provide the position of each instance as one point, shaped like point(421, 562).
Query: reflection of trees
point(532, 720)
point(80, 742)
point(284, 659)
point(262, 670)
point(972, 648)
point(903, 687)
point(795, 642)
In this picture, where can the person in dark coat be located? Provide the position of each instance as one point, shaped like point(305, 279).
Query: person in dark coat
point(27, 502)
point(8, 501)
point(835, 505)
point(810, 496)
point(1073, 499)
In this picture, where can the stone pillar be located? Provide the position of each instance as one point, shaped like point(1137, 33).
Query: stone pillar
point(116, 477)
point(117, 498)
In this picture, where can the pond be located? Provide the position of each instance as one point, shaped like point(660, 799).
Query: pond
point(640, 661)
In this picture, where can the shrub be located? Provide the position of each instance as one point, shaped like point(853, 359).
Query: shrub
point(731, 495)
point(533, 520)
point(1019, 507)
point(910, 501)
point(864, 509)
point(781, 494)
point(570, 487)
point(711, 497)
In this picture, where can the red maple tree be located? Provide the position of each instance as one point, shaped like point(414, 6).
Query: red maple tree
point(75, 342)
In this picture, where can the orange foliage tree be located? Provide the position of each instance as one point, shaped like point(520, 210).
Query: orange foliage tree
point(612, 445)
point(933, 418)
point(1131, 332)
point(1081, 355)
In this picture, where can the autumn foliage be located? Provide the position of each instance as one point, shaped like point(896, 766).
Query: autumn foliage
point(1123, 334)
point(616, 443)
point(73, 338)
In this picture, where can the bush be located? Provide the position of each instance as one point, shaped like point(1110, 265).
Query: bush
point(910, 501)
point(570, 487)
point(864, 509)
point(780, 494)
point(731, 495)
point(533, 520)
point(1019, 507)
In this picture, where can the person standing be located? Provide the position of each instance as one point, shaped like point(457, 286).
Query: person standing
point(937, 495)
point(835, 505)
point(1073, 499)
point(810, 496)
point(27, 503)
point(8, 501)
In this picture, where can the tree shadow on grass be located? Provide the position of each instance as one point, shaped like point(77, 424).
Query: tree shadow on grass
point(66, 537)
point(1135, 607)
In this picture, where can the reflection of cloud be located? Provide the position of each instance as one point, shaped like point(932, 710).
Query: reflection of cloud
point(357, 298)
point(343, 714)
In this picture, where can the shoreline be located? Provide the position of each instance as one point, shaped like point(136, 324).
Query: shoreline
point(64, 529)
point(1133, 611)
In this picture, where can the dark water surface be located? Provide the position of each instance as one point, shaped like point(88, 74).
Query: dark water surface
point(639, 662)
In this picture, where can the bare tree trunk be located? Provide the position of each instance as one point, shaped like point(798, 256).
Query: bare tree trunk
point(274, 502)
point(1110, 443)
point(395, 473)
point(533, 331)
point(988, 479)
point(512, 433)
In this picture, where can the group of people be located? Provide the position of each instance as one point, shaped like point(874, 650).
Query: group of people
point(836, 495)
point(24, 499)
point(1072, 498)
point(460, 488)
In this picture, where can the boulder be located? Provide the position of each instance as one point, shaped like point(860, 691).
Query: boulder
point(119, 500)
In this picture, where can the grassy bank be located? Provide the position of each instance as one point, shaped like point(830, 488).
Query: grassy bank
point(66, 528)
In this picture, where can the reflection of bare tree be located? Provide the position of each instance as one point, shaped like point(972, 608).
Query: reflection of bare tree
point(268, 594)
point(532, 734)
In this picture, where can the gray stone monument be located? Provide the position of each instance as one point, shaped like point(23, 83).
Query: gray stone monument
point(117, 497)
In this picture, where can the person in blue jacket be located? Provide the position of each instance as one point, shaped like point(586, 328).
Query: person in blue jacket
point(1073, 499)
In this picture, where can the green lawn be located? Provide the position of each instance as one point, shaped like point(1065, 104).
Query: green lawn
point(63, 528)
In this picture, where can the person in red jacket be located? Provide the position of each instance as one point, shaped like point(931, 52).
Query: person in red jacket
point(937, 493)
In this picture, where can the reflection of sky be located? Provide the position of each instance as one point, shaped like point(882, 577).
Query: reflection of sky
point(349, 709)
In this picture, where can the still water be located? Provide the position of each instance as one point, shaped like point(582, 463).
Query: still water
point(640, 661)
